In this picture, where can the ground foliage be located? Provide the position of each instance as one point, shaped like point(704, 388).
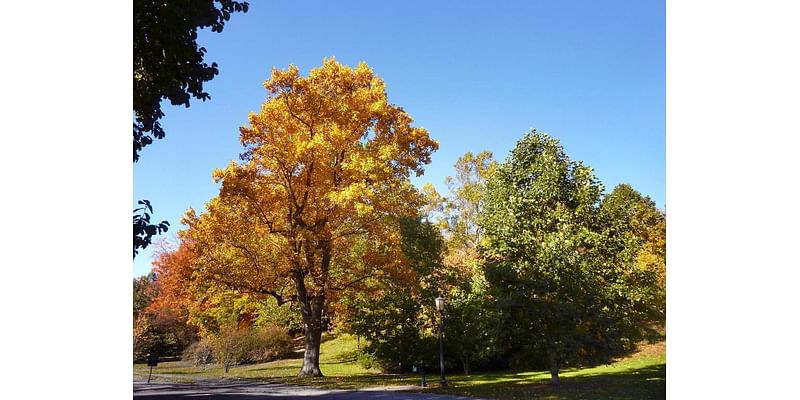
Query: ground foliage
point(639, 376)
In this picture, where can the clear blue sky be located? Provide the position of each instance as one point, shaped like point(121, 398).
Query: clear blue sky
point(476, 74)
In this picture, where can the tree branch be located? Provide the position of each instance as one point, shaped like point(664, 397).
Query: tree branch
point(353, 282)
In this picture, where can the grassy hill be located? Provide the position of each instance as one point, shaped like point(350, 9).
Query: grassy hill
point(639, 376)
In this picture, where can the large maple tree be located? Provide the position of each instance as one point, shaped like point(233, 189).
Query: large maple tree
point(312, 209)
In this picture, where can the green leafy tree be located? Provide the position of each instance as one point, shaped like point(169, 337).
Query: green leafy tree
point(562, 299)
point(168, 64)
point(397, 318)
point(143, 230)
point(470, 324)
point(469, 314)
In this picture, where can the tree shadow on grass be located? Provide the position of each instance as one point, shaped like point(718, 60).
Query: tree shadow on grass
point(346, 357)
point(293, 355)
point(351, 381)
point(184, 372)
point(633, 384)
point(277, 370)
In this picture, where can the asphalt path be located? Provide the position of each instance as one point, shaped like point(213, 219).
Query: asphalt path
point(248, 390)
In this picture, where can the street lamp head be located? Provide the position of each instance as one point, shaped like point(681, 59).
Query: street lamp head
point(439, 303)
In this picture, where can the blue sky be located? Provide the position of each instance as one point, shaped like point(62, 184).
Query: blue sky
point(477, 75)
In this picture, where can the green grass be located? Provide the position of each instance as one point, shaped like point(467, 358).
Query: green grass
point(337, 359)
point(640, 376)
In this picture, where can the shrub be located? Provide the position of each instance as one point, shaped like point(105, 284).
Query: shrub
point(367, 360)
point(233, 346)
point(268, 343)
point(199, 353)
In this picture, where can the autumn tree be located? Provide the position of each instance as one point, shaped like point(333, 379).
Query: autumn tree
point(235, 327)
point(312, 210)
point(206, 306)
point(144, 292)
point(456, 213)
point(562, 297)
point(636, 224)
point(156, 329)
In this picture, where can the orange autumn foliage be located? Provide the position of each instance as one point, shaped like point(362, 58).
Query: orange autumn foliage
point(312, 210)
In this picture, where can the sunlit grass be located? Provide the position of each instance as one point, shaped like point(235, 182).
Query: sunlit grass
point(640, 376)
point(337, 359)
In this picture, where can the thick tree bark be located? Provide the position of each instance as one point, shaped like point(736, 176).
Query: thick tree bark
point(312, 304)
point(311, 357)
point(311, 308)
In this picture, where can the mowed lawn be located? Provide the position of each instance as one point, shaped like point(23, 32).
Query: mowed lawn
point(639, 376)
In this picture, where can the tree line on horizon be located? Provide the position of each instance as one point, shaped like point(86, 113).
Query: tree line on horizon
point(318, 228)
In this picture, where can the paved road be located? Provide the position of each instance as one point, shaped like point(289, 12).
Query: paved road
point(246, 390)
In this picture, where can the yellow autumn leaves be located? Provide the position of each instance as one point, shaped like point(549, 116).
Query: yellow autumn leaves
point(326, 167)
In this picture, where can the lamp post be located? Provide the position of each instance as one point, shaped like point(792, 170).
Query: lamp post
point(440, 308)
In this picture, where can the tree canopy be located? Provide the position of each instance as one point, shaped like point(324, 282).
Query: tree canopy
point(167, 63)
point(563, 295)
point(470, 314)
point(143, 230)
point(641, 230)
point(313, 209)
point(397, 317)
point(538, 265)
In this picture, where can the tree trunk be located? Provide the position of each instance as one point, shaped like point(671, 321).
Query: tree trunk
point(312, 305)
point(311, 357)
point(312, 319)
point(555, 365)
